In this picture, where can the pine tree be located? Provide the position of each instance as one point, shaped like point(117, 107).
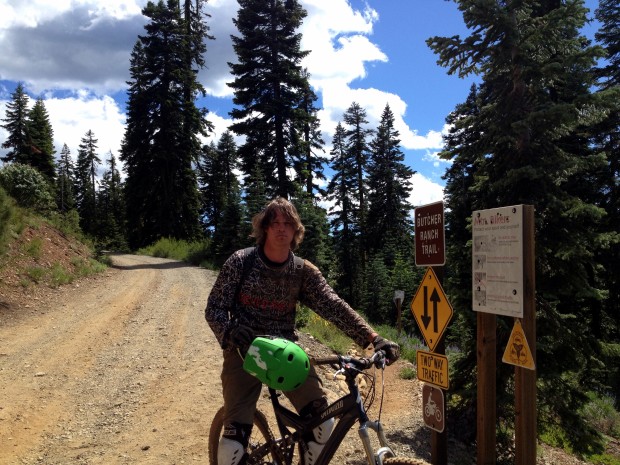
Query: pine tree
point(16, 124)
point(212, 196)
point(389, 187)
point(85, 182)
point(344, 220)
point(307, 142)
point(111, 232)
point(607, 139)
point(163, 125)
point(357, 135)
point(41, 141)
point(267, 86)
point(316, 246)
point(65, 181)
point(220, 188)
point(530, 148)
point(255, 200)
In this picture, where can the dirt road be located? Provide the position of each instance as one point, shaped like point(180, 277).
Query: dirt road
point(122, 371)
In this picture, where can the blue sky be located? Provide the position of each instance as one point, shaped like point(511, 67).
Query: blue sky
point(75, 54)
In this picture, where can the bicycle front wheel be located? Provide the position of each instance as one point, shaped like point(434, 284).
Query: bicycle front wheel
point(261, 435)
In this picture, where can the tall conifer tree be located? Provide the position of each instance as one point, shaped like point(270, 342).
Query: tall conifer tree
point(607, 139)
point(65, 181)
point(111, 232)
point(344, 221)
point(41, 141)
point(163, 124)
point(389, 187)
point(85, 182)
point(534, 108)
point(16, 124)
point(267, 86)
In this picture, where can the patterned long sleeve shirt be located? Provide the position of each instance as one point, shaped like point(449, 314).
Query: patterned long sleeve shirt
point(267, 299)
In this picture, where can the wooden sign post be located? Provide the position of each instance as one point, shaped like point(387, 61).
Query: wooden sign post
point(504, 284)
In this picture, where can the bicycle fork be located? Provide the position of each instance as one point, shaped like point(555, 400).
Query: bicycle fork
point(384, 450)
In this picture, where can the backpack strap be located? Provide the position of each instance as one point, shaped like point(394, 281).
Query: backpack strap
point(249, 258)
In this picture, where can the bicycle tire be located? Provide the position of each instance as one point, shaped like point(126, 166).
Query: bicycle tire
point(261, 434)
point(403, 461)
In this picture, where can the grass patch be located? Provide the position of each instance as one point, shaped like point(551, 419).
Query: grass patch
point(34, 248)
point(36, 273)
point(59, 276)
point(87, 267)
point(323, 331)
point(407, 373)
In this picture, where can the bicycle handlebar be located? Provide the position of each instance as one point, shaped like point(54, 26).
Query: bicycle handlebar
point(348, 361)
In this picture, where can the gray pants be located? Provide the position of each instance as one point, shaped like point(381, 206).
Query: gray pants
point(242, 390)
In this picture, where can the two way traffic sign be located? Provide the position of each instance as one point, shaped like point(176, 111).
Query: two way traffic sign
point(431, 309)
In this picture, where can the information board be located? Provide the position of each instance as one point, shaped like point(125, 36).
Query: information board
point(497, 261)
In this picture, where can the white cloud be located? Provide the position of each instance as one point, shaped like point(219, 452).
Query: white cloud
point(72, 117)
point(86, 44)
point(424, 191)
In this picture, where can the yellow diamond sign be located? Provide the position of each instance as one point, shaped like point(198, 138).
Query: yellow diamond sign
point(431, 309)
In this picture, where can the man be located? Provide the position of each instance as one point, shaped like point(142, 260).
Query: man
point(256, 293)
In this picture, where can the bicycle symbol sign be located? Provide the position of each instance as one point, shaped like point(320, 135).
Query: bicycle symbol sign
point(434, 406)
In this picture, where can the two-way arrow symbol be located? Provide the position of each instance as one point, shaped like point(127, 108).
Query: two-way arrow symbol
point(426, 319)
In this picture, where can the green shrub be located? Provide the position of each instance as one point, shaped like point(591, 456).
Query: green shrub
point(28, 187)
point(87, 267)
point(191, 252)
point(6, 212)
point(59, 276)
point(601, 414)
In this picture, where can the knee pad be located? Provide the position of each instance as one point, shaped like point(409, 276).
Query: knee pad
point(323, 431)
point(315, 445)
point(229, 452)
point(234, 440)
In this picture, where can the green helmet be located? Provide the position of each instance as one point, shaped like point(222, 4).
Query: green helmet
point(278, 363)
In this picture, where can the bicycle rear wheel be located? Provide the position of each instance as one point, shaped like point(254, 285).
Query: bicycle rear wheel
point(261, 434)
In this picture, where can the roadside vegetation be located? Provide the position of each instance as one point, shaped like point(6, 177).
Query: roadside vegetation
point(14, 220)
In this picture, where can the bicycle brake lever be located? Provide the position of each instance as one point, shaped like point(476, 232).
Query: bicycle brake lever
point(340, 371)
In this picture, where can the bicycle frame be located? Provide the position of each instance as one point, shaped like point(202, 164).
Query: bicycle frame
point(350, 408)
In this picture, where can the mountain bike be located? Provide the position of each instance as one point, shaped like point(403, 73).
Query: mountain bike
point(267, 448)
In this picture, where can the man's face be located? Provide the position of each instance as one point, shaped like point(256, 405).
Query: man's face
point(280, 232)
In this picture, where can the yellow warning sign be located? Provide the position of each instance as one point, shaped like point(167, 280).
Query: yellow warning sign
point(518, 351)
point(431, 309)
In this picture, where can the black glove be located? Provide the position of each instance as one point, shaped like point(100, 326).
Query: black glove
point(241, 337)
point(391, 349)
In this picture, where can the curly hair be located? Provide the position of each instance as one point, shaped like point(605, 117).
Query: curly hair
point(262, 220)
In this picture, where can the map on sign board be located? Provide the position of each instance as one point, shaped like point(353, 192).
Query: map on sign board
point(497, 261)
